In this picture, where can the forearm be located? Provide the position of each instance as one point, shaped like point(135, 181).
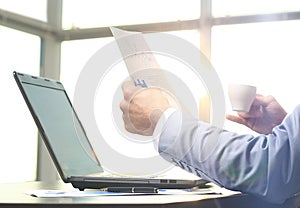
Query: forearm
point(264, 165)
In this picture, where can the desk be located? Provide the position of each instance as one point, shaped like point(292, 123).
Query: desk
point(12, 195)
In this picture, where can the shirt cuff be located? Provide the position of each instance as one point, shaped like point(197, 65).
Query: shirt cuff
point(160, 125)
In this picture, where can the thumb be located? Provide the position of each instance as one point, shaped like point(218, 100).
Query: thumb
point(129, 89)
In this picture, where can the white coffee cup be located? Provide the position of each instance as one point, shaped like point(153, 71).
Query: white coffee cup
point(241, 96)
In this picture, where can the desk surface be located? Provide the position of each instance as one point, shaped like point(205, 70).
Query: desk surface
point(13, 195)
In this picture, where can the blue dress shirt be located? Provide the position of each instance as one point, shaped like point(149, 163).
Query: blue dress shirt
point(267, 166)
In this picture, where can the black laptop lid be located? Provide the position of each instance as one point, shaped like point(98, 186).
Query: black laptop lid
point(59, 126)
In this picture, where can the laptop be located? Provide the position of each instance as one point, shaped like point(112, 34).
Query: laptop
point(67, 142)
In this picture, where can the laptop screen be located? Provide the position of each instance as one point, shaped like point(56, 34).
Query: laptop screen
point(63, 131)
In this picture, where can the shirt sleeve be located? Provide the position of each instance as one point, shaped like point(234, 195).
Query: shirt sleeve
point(265, 165)
point(160, 125)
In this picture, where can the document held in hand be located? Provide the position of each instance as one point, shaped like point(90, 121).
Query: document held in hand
point(145, 71)
point(140, 61)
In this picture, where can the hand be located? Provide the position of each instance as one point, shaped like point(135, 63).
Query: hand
point(142, 108)
point(265, 113)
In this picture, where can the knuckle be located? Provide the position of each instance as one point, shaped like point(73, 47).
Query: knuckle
point(127, 94)
point(123, 105)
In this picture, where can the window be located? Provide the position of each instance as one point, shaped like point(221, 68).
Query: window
point(18, 144)
point(74, 56)
point(250, 7)
point(94, 13)
point(32, 8)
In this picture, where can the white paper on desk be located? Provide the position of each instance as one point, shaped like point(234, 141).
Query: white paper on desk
point(73, 193)
point(76, 193)
point(187, 191)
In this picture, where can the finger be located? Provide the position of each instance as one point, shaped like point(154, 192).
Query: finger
point(124, 106)
point(126, 118)
point(129, 89)
point(257, 100)
point(255, 112)
point(263, 100)
point(127, 84)
point(236, 119)
point(127, 124)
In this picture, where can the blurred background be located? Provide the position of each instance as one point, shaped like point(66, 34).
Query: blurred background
point(255, 42)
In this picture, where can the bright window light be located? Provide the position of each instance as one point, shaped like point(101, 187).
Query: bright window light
point(18, 144)
point(262, 54)
point(32, 8)
point(74, 56)
point(95, 13)
point(248, 7)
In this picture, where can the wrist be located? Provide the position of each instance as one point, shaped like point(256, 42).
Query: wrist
point(162, 120)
